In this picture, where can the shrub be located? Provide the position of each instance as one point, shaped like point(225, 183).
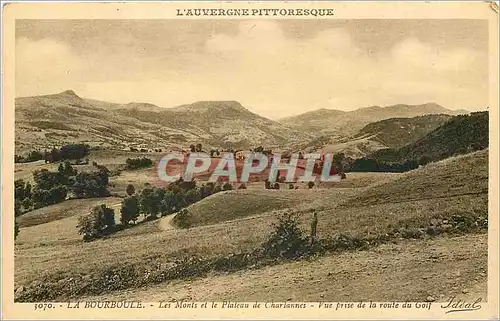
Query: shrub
point(276, 185)
point(130, 190)
point(182, 219)
point(286, 240)
point(227, 187)
point(135, 163)
point(291, 186)
point(99, 221)
point(33, 156)
point(310, 184)
point(130, 210)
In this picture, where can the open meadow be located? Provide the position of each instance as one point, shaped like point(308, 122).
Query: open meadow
point(425, 226)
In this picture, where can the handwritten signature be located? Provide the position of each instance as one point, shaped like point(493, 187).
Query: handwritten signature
point(461, 306)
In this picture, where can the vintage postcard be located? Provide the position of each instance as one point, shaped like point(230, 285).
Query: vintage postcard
point(250, 160)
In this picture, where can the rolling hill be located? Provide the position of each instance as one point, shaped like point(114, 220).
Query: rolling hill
point(460, 135)
point(380, 135)
point(397, 132)
point(43, 122)
point(336, 122)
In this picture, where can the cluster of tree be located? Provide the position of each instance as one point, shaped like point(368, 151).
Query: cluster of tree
point(260, 149)
point(196, 148)
point(50, 187)
point(99, 222)
point(214, 152)
point(269, 185)
point(135, 163)
point(153, 201)
point(22, 197)
point(91, 184)
point(53, 187)
point(67, 152)
point(33, 156)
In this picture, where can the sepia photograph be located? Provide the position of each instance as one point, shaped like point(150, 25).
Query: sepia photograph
point(287, 157)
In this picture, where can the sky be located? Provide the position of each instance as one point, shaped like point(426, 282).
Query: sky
point(275, 68)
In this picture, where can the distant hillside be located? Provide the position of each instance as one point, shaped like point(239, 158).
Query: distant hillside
point(460, 135)
point(330, 121)
point(225, 123)
point(397, 132)
point(53, 120)
point(387, 133)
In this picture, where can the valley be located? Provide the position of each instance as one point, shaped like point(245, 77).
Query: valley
point(417, 235)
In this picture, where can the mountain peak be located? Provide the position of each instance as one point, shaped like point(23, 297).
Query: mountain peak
point(68, 92)
point(213, 105)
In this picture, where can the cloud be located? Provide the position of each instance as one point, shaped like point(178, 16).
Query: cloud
point(269, 72)
point(45, 66)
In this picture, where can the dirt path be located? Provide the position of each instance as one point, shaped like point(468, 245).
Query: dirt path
point(165, 223)
point(410, 270)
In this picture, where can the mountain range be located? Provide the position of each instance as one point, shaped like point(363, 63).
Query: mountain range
point(338, 122)
point(48, 121)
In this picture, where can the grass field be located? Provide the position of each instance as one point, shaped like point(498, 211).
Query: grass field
point(49, 249)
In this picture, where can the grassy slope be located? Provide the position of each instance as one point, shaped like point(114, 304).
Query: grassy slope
point(373, 211)
point(397, 132)
point(412, 271)
point(460, 135)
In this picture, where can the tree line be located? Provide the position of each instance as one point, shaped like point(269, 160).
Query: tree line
point(150, 202)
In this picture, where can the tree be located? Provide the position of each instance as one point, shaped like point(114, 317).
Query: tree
point(287, 240)
point(66, 169)
point(46, 180)
point(53, 156)
point(22, 189)
point(100, 220)
point(199, 147)
point(310, 184)
point(227, 187)
point(129, 210)
point(130, 190)
point(150, 201)
point(74, 151)
point(192, 196)
point(192, 148)
point(43, 197)
point(276, 185)
point(91, 184)
point(290, 186)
